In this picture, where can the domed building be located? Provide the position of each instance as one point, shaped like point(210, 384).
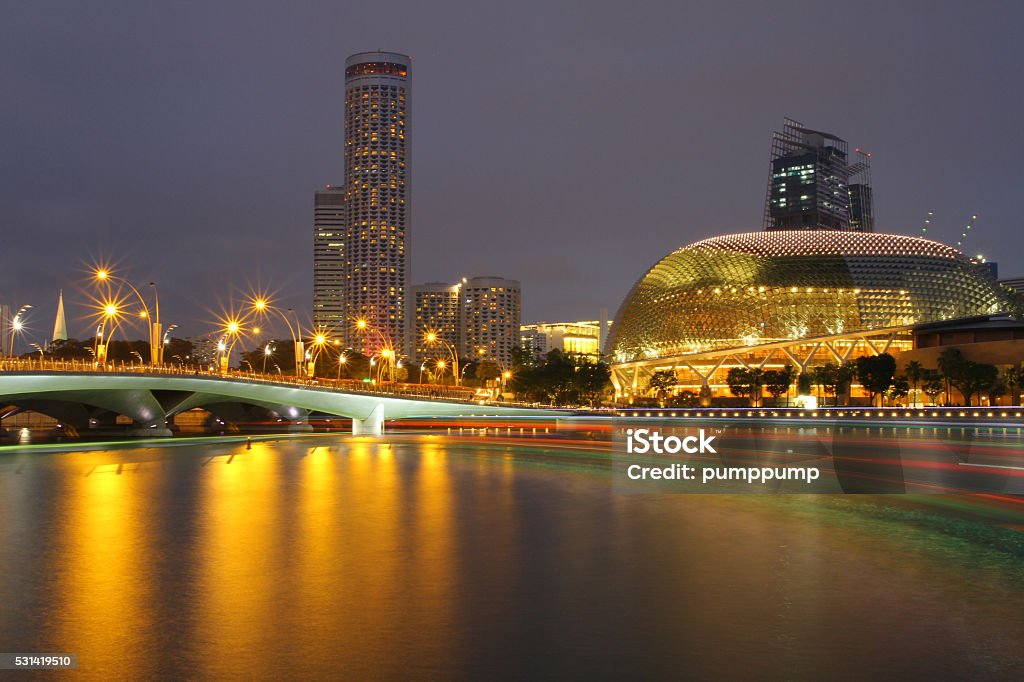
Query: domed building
point(789, 297)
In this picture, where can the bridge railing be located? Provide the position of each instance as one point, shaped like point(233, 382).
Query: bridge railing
point(396, 389)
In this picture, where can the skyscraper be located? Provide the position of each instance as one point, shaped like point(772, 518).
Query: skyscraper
point(435, 308)
point(377, 90)
point(810, 183)
point(329, 272)
point(360, 243)
point(491, 316)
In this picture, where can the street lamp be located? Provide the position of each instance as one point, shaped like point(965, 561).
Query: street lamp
point(342, 359)
point(109, 310)
point(268, 350)
point(17, 325)
point(318, 342)
point(156, 348)
point(432, 338)
point(261, 306)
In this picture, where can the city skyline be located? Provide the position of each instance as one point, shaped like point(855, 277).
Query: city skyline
point(229, 158)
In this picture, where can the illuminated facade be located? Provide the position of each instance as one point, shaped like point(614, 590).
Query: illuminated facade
point(796, 297)
point(815, 184)
point(491, 313)
point(377, 100)
point(329, 272)
point(578, 338)
point(435, 308)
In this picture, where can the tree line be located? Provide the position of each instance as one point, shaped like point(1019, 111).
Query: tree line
point(875, 373)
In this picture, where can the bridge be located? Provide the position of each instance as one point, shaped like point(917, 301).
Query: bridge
point(83, 397)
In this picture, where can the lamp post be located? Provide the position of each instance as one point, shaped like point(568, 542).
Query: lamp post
point(317, 345)
point(268, 350)
point(261, 306)
point(17, 325)
point(342, 359)
point(110, 311)
point(432, 338)
point(156, 348)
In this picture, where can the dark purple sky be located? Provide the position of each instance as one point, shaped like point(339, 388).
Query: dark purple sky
point(568, 145)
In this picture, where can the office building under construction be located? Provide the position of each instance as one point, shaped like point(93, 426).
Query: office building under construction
point(815, 185)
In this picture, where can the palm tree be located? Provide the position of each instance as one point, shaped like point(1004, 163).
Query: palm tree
point(1012, 377)
point(914, 372)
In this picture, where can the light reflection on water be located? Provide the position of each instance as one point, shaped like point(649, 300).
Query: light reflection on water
point(424, 555)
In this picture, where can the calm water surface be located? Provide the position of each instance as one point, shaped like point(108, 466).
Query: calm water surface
point(427, 556)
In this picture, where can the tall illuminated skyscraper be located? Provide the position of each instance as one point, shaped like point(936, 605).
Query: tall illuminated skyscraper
point(377, 90)
point(329, 271)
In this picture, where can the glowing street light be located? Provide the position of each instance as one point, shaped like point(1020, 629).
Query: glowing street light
point(17, 325)
point(156, 348)
point(432, 338)
point(261, 306)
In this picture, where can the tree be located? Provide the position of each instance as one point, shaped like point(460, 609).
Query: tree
point(778, 381)
point(952, 366)
point(914, 372)
point(1012, 379)
point(745, 382)
point(900, 389)
point(932, 384)
point(71, 349)
point(487, 370)
point(738, 380)
point(825, 378)
point(966, 376)
point(561, 380)
point(978, 378)
point(875, 373)
point(660, 382)
point(756, 382)
point(803, 384)
point(593, 379)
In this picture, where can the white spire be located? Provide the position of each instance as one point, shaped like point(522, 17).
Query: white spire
point(60, 325)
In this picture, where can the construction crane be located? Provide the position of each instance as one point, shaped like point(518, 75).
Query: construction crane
point(927, 223)
point(963, 237)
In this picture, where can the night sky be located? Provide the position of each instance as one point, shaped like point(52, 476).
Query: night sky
point(567, 145)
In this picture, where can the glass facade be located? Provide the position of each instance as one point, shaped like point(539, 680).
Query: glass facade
point(751, 289)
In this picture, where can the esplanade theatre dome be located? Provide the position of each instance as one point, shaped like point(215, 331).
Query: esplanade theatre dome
point(755, 288)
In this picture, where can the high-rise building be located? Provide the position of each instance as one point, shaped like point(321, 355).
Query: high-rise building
point(478, 318)
point(376, 243)
point(813, 184)
point(329, 272)
point(1014, 283)
point(435, 308)
point(491, 312)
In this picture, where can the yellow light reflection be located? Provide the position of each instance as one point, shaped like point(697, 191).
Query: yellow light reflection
point(104, 575)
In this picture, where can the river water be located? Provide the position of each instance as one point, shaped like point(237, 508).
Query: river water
point(436, 555)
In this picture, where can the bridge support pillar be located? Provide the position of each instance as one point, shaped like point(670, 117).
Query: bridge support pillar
point(372, 425)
